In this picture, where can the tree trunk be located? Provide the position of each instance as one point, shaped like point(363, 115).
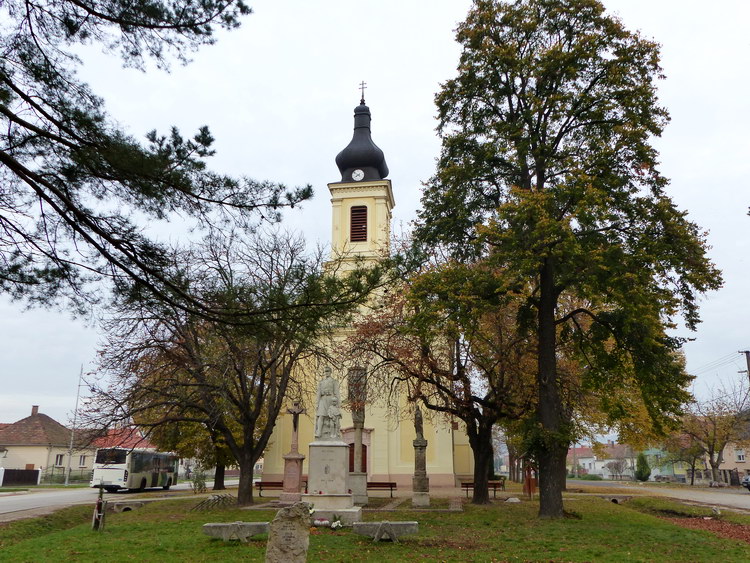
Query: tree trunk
point(245, 489)
point(554, 446)
point(714, 469)
point(491, 464)
point(481, 446)
point(219, 477)
point(512, 465)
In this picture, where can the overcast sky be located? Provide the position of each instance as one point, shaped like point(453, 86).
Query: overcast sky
point(278, 95)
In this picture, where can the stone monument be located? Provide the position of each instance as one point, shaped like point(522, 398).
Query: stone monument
point(420, 481)
point(292, 488)
point(327, 483)
point(357, 388)
point(289, 537)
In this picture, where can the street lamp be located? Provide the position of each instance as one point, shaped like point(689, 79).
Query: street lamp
point(73, 430)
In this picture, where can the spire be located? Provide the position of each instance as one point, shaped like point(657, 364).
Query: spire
point(361, 153)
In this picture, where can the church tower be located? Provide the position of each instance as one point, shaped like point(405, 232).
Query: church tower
point(362, 201)
point(361, 205)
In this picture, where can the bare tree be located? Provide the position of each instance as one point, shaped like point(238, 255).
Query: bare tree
point(456, 358)
point(168, 366)
point(617, 467)
point(721, 419)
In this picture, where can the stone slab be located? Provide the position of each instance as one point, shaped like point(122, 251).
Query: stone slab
point(241, 531)
point(329, 502)
point(328, 468)
point(348, 516)
point(289, 537)
point(420, 500)
point(380, 531)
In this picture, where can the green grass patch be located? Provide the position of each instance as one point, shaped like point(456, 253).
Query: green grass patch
point(168, 531)
point(30, 528)
point(377, 502)
point(670, 508)
point(12, 489)
point(589, 478)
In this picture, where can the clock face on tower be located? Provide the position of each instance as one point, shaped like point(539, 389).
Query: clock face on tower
point(357, 175)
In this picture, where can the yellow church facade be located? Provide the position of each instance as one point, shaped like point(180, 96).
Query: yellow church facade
point(361, 205)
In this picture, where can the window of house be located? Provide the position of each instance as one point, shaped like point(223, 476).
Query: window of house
point(739, 455)
point(59, 458)
point(82, 461)
point(358, 224)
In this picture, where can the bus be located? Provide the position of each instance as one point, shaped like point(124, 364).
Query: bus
point(124, 468)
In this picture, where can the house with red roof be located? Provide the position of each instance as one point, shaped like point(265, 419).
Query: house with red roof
point(40, 442)
point(130, 437)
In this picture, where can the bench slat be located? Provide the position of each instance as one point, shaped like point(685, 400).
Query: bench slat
point(377, 485)
point(272, 485)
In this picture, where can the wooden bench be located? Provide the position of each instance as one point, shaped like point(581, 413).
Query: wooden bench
point(273, 485)
point(381, 485)
point(494, 485)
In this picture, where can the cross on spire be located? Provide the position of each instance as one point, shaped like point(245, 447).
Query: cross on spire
point(362, 87)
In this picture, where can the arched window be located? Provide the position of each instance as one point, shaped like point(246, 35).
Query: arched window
point(358, 224)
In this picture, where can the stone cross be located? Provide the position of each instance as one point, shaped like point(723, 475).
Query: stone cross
point(295, 411)
point(420, 481)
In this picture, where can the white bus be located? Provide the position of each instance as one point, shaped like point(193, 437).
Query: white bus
point(123, 468)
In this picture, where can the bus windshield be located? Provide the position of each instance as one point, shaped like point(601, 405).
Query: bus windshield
point(111, 456)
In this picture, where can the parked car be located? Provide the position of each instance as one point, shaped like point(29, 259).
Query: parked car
point(746, 482)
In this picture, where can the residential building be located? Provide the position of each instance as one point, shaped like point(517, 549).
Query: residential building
point(40, 442)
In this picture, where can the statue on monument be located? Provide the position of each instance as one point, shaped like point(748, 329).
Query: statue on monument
point(418, 424)
point(328, 413)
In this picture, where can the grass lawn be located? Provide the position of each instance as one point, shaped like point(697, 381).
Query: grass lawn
point(596, 531)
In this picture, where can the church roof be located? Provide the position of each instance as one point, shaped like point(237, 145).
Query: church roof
point(35, 430)
point(362, 153)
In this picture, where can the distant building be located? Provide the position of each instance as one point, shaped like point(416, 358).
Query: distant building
point(130, 437)
point(610, 461)
point(40, 442)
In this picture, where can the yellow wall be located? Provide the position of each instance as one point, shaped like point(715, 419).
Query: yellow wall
point(391, 451)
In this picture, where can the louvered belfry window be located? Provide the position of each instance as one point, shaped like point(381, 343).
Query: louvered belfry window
point(358, 231)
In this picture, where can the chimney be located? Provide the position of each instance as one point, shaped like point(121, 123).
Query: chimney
point(34, 410)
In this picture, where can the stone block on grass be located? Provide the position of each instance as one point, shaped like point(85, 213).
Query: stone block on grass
point(241, 531)
point(385, 530)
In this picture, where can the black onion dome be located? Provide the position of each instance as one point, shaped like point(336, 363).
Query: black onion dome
point(362, 153)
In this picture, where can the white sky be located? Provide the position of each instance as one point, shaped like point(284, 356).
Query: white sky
point(278, 95)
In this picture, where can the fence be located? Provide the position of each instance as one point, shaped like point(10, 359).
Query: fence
point(18, 477)
point(53, 475)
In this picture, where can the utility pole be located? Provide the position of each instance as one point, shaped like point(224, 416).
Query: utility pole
point(73, 430)
point(747, 360)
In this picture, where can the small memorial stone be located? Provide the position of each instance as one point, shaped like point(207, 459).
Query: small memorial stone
point(290, 535)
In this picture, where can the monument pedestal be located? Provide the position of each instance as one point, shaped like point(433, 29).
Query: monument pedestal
point(292, 490)
point(358, 487)
point(327, 488)
point(420, 482)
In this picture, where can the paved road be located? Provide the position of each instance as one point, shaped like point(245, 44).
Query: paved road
point(42, 501)
point(13, 504)
point(727, 497)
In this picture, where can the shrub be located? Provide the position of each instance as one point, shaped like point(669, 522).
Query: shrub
point(642, 468)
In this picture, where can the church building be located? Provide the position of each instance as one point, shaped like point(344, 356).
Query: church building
point(361, 204)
